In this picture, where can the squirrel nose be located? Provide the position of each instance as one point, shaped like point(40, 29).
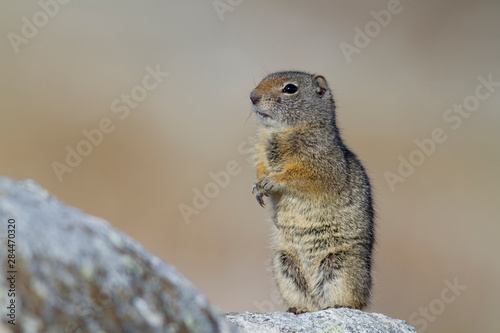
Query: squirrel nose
point(255, 98)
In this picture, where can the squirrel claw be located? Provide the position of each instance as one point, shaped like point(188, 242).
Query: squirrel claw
point(260, 200)
point(257, 191)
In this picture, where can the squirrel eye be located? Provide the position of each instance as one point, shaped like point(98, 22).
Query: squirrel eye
point(290, 89)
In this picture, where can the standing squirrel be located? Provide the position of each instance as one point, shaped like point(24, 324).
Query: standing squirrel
point(320, 193)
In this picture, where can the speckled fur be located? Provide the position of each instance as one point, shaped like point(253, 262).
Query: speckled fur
point(320, 195)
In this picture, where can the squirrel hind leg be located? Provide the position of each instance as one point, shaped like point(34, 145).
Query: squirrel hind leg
point(291, 282)
point(290, 270)
point(329, 269)
point(334, 283)
point(330, 289)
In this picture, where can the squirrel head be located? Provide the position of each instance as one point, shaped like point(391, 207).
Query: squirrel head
point(289, 99)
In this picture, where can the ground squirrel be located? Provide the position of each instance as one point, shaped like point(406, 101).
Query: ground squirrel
point(320, 194)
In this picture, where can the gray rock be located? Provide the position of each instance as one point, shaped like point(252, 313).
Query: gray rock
point(326, 321)
point(75, 273)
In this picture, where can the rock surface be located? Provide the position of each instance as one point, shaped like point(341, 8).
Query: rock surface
point(326, 321)
point(75, 273)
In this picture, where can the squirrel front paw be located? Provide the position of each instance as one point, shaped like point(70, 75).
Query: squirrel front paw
point(258, 193)
point(264, 188)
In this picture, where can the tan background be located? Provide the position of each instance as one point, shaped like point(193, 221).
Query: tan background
point(441, 224)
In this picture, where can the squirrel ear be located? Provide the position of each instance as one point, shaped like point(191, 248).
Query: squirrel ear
point(321, 85)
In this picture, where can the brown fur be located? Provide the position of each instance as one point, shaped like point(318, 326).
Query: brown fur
point(319, 192)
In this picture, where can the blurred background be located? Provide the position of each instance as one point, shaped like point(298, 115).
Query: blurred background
point(130, 110)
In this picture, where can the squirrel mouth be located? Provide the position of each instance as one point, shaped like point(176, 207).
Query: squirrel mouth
point(261, 114)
